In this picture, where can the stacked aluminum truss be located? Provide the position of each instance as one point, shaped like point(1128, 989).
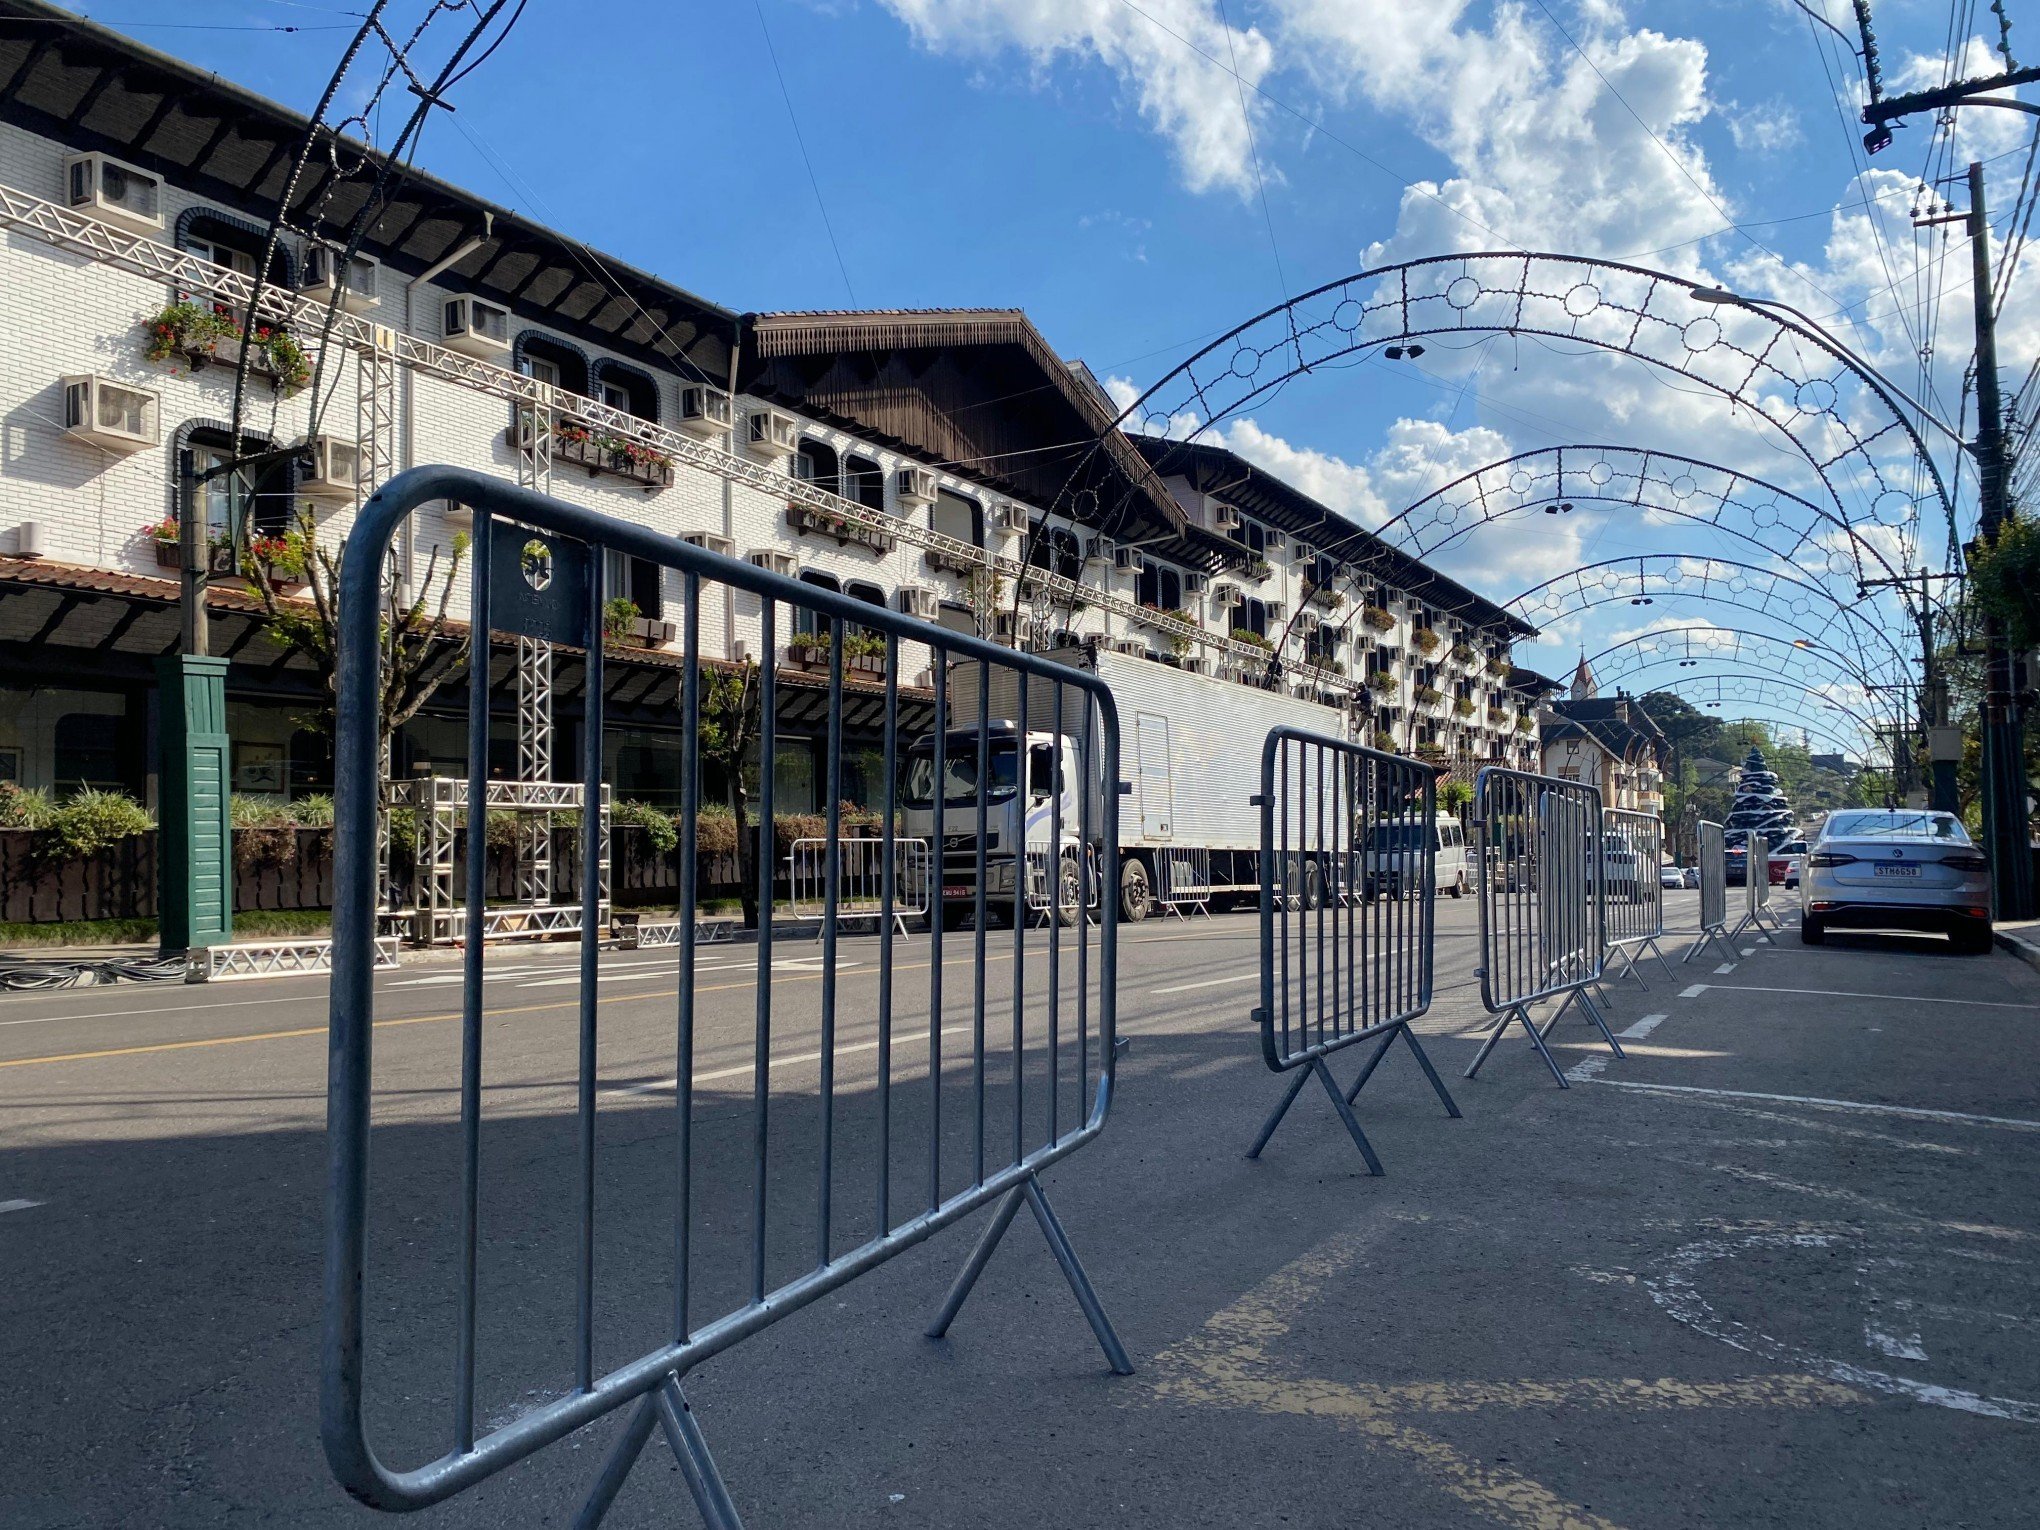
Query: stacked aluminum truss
point(272, 958)
point(440, 802)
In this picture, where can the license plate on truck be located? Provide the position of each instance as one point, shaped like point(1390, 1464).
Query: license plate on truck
point(958, 892)
point(1896, 871)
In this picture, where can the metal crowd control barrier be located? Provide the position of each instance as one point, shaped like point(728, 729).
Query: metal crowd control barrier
point(1183, 881)
point(1341, 971)
point(1713, 893)
point(1757, 913)
point(1543, 855)
point(758, 1228)
point(1069, 867)
point(1633, 915)
point(862, 877)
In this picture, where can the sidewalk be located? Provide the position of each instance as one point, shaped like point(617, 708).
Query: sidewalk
point(2022, 940)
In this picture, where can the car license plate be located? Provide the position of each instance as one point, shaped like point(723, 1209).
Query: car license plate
point(1897, 871)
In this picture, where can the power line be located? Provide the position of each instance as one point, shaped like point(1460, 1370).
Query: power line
point(1253, 151)
point(786, 96)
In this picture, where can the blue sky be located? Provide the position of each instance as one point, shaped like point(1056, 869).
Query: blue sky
point(1142, 175)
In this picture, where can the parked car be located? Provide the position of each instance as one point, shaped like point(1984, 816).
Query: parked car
point(1392, 857)
point(1736, 859)
point(1622, 865)
point(1670, 876)
point(1904, 869)
point(1786, 863)
point(1691, 876)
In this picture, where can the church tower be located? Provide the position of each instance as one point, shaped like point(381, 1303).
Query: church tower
point(1583, 687)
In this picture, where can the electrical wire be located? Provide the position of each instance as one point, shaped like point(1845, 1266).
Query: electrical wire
point(785, 95)
point(30, 973)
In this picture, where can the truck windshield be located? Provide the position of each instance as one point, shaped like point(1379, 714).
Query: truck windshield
point(961, 768)
point(1396, 836)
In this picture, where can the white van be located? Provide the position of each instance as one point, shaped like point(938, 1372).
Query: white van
point(1390, 866)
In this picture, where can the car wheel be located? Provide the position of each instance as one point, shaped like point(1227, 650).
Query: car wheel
point(1971, 941)
point(1136, 896)
point(1459, 886)
point(1811, 931)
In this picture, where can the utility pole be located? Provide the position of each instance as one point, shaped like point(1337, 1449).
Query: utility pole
point(2004, 775)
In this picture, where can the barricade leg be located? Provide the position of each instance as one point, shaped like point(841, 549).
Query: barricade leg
point(1629, 969)
point(1341, 1102)
point(1297, 1079)
point(667, 1408)
point(1029, 1190)
point(1516, 1012)
point(1423, 1061)
point(1656, 950)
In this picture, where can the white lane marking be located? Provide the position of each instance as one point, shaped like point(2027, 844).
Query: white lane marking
point(1643, 1027)
point(1897, 998)
point(1749, 950)
point(1724, 967)
point(7, 1206)
point(122, 1014)
point(1243, 977)
point(1907, 1112)
point(1583, 1071)
point(1694, 992)
point(797, 1059)
point(1896, 1346)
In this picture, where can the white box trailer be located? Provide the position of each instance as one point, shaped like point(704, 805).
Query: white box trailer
point(1190, 753)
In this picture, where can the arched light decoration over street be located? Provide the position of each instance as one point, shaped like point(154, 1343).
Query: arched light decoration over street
point(1702, 645)
point(1801, 608)
point(1677, 490)
point(1869, 709)
point(1779, 703)
point(1841, 418)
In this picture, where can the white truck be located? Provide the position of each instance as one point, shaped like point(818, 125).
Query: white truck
point(1190, 752)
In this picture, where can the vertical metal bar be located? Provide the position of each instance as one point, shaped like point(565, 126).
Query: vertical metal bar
point(977, 1018)
point(768, 849)
point(1022, 792)
point(1056, 778)
point(479, 651)
point(939, 915)
point(832, 893)
point(888, 835)
point(1107, 882)
point(1316, 753)
point(683, 1093)
point(1286, 878)
point(1108, 932)
point(591, 915)
point(1266, 864)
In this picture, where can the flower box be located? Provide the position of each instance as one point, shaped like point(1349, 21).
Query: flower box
point(942, 561)
point(1428, 696)
point(1325, 598)
point(1377, 618)
point(1462, 654)
point(1427, 640)
point(600, 452)
point(828, 523)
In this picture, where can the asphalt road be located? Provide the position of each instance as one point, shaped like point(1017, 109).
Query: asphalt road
point(1776, 1266)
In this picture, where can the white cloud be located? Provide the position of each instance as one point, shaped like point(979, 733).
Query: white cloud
point(1180, 92)
point(1767, 129)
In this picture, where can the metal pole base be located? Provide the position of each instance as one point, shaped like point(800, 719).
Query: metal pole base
point(1516, 1012)
point(667, 1407)
point(1029, 1190)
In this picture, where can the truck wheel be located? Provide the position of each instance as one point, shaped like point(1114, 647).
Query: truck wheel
point(1069, 894)
point(1313, 886)
point(1136, 897)
point(954, 917)
point(1459, 885)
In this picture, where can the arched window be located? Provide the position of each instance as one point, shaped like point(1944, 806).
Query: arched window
point(816, 462)
point(552, 361)
point(804, 620)
point(232, 242)
point(1055, 548)
point(956, 516)
point(1159, 586)
point(864, 482)
point(265, 495)
point(1253, 616)
point(626, 388)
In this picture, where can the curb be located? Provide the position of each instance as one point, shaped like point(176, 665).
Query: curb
point(2025, 945)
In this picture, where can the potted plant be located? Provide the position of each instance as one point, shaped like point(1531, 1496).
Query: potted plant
point(1463, 706)
point(1526, 725)
point(1377, 618)
point(1462, 653)
point(865, 652)
point(1384, 741)
point(1429, 695)
point(190, 330)
point(1251, 638)
point(167, 534)
point(1427, 640)
point(808, 650)
point(619, 619)
point(1381, 682)
point(1258, 568)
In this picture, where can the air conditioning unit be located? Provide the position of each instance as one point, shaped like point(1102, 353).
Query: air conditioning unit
point(110, 414)
point(1196, 584)
point(28, 540)
point(1226, 597)
point(458, 517)
point(1125, 557)
point(768, 433)
point(1100, 550)
point(774, 561)
point(332, 471)
point(1276, 540)
point(914, 486)
point(356, 291)
point(917, 600)
point(478, 327)
point(713, 541)
point(704, 411)
point(740, 651)
point(114, 191)
point(1305, 552)
point(1193, 666)
point(1224, 518)
point(1010, 515)
point(1131, 647)
point(1274, 609)
point(658, 632)
point(1002, 626)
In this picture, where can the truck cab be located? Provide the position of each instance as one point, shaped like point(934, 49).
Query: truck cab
point(1019, 818)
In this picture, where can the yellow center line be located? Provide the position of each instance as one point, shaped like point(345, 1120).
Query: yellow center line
point(780, 978)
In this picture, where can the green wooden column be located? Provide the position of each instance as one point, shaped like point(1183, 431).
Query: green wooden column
point(196, 879)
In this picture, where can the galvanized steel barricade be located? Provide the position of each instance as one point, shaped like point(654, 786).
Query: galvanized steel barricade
point(1713, 893)
point(771, 1190)
point(861, 879)
point(1337, 971)
point(1540, 915)
point(1183, 881)
point(1757, 913)
point(1633, 908)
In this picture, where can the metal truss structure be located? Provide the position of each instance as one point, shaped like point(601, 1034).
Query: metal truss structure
point(1799, 607)
point(1698, 646)
point(1841, 419)
point(535, 680)
point(109, 246)
point(272, 958)
point(439, 803)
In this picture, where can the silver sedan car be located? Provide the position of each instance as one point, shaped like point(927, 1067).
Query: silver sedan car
point(1902, 869)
